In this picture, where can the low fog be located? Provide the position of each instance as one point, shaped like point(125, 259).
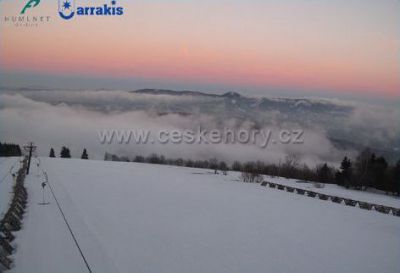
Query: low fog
point(73, 119)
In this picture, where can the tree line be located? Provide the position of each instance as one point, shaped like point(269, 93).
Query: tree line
point(66, 153)
point(10, 149)
point(369, 171)
point(366, 171)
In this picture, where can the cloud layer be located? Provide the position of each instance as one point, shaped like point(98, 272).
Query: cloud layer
point(72, 118)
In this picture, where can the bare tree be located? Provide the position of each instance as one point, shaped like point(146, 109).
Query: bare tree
point(290, 165)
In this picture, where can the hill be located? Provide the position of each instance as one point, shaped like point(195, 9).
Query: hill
point(127, 217)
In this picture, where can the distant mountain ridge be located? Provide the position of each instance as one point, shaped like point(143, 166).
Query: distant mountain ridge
point(230, 94)
point(172, 92)
point(263, 103)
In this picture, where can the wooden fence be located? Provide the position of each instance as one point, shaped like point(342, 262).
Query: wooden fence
point(12, 220)
point(335, 199)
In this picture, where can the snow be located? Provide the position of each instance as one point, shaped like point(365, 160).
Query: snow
point(7, 164)
point(131, 217)
point(375, 197)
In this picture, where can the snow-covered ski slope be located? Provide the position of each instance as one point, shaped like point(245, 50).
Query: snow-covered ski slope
point(131, 217)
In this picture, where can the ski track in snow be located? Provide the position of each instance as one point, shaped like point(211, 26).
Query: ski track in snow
point(130, 217)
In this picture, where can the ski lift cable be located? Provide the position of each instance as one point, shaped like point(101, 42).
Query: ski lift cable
point(68, 226)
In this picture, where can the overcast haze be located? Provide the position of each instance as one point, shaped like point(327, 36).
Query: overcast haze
point(292, 47)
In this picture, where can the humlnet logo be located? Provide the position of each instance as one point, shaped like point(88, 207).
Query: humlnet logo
point(30, 4)
point(29, 16)
point(67, 9)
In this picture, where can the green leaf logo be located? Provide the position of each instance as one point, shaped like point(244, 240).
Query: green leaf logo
point(30, 4)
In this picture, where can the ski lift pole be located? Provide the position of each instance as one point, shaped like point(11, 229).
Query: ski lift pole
point(43, 185)
point(30, 148)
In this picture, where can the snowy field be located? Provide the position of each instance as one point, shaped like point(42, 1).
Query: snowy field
point(131, 217)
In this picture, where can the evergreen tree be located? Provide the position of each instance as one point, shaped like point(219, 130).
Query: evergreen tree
point(323, 173)
point(65, 153)
point(390, 181)
point(344, 176)
point(396, 177)
point(378, 167)
point(362, 166)
point(84, 154)
point(52, 153)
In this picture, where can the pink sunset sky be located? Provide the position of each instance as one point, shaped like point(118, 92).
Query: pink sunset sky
point(349, 46)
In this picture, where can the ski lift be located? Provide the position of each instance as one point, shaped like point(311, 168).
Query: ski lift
point(43, 185)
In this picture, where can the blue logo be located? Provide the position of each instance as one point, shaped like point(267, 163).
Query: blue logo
point(67, 9)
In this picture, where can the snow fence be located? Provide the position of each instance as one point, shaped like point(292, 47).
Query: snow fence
point(335, 199)
point(12, 220)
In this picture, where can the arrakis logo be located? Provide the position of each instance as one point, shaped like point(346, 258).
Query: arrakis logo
point(67, 10)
